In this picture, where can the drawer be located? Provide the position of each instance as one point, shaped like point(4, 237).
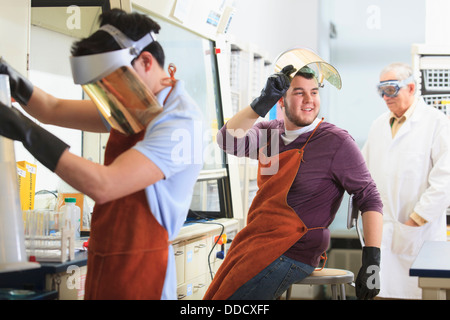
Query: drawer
point(196, 288)
point(182, 292)
point(179, 252)
point(195, 262)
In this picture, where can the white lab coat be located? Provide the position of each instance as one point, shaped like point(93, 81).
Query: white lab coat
point(412, 173)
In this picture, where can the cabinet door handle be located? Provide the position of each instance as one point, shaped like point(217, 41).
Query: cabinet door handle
point(179, 253)
point(181, 296)
point(200, 285)
point(200, 246)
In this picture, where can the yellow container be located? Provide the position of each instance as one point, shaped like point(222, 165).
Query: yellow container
point(27, 183)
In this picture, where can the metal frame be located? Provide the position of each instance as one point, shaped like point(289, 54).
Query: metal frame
point(353, 219)
point(105, 4)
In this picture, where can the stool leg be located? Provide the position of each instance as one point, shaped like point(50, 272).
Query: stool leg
point(288, 293)
point(343, 291)
point(334, 294)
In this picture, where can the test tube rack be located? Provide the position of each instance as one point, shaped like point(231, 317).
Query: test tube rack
point(45, 243)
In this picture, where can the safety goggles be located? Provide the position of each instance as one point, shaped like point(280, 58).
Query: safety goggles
point(390, 88)
point(114, 86)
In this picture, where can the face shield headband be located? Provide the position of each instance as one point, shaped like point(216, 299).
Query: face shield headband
point(302, 57)
point(114, 86)
point(390, 88)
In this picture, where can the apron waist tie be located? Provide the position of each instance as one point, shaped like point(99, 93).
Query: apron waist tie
point(324, 255)
point(110, 254)
point(324, 258)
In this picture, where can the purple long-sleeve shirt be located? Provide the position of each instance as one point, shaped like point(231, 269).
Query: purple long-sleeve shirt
point(332, 165)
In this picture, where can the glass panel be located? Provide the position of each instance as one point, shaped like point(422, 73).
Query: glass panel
point(195, 60)
point(206, 196)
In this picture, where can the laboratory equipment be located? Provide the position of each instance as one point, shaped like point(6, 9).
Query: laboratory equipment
point(49, 236)
point(300, 57)
point(12, 244)
point(71, 213)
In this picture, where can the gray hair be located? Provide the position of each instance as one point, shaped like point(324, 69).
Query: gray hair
point(402, 70)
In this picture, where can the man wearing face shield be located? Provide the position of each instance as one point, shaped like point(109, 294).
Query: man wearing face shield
point(408, 155)
point(142, 195)
point(305, 165)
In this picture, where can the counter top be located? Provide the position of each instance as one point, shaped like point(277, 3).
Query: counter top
point(34, 279)
point(195, 228)
point(57, 267)
point(433, 260)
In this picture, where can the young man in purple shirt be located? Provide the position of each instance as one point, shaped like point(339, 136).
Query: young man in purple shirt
point(305, 166)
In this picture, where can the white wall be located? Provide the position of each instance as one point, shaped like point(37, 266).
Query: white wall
point(437, 26)
point(369, 35)
point(275, 26)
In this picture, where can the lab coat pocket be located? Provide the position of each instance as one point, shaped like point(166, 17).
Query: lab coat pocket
point(406, 240)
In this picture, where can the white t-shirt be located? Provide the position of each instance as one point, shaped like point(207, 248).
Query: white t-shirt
point(171, 141)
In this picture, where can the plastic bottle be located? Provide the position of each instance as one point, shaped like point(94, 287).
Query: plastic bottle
point(72, 214)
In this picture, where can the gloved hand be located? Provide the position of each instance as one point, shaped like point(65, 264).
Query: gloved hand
point(21, 87)
point(276, 85)
point(43, 145)
point(368, 280)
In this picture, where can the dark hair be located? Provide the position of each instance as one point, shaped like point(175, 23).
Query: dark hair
point(133, 25)
point(306, 73)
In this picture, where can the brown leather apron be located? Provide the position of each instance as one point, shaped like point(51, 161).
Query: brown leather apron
point(272, 227)
point(128, 248)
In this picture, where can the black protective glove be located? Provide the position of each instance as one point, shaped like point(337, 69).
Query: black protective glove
point(21, 87)
point(43, 145)
point(368, 281)
point(276, 85)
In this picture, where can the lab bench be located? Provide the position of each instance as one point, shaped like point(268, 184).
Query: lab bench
point(432, 267)
point(44, 282)
point(196, 257)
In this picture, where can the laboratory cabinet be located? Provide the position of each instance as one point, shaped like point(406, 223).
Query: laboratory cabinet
point(51, 281)
point(431, 64)
point(248, 69)
point(199, 251)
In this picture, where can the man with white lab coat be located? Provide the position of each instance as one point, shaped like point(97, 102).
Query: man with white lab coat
point(408, 155)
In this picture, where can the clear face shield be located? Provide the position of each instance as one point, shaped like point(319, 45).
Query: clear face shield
point(114, 86)
point(391, 88)
point(302, 57)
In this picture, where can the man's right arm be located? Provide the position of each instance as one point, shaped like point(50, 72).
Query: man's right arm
point(241, 122)
point(276, 86)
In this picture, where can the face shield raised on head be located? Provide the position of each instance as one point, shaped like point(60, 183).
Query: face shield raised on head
point(301, 57)
point(113, 85)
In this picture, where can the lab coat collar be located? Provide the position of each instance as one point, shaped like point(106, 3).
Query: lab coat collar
point(414, 115)
point(409, 112)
